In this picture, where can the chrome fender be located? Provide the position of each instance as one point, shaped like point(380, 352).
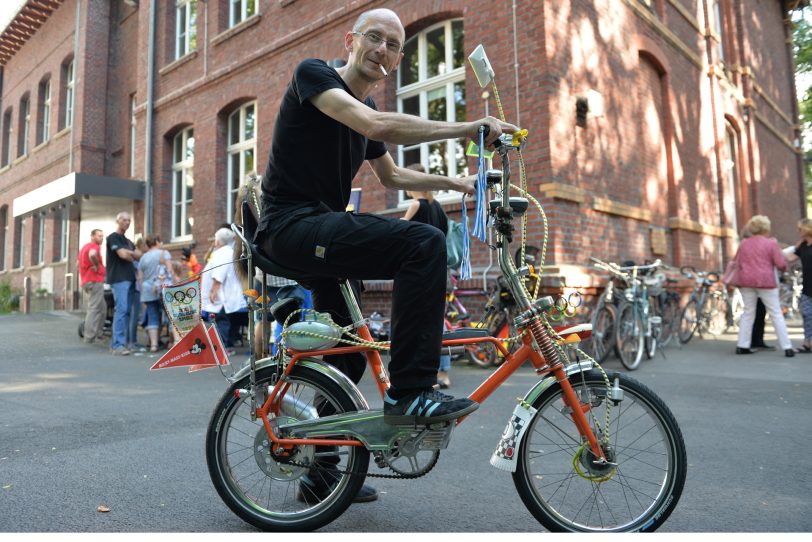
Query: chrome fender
point(542, 385)
point(339, 378)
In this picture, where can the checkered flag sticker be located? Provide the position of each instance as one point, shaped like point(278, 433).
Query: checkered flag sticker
point(504, 457)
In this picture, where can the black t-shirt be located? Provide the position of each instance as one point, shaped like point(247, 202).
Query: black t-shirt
point(118, 270)
point(431, 214)
point(804, 252)
point(313, 157)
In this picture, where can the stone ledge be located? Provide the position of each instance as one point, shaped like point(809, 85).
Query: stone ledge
point(679, 223)
point(236, 29)
point(178, 63)
point(563, 191)
point(605, 205)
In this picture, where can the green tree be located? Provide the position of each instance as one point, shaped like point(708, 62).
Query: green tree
point(802, 45)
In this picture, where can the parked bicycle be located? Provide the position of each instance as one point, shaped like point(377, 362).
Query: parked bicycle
point(790, 289)
point(709, 309)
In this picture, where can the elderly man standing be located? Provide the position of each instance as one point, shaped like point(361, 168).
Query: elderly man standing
point(91, 275)
point(121, 253)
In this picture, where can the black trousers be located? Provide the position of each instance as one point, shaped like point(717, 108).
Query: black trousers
point(337, 245)
point(758, 325)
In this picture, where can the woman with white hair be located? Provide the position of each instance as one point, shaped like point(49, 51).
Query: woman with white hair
point(758, 258)
point(221, 292)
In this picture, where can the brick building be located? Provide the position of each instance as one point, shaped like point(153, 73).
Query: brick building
point(689, 120)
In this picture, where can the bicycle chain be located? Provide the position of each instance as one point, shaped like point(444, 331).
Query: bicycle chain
point(367, 474)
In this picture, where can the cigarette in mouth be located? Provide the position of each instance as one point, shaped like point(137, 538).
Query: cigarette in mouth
point(385, 74)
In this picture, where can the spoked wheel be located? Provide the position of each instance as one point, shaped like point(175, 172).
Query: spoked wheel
point(566, 490)
point(652, 342)
point(689, 322)
point(670, 316)
point(603, 331)
point(482, 354)
point(262, 488)
point(716, 310)
point(629, 336)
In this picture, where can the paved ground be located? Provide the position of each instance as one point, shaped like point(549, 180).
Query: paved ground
point(80, 428)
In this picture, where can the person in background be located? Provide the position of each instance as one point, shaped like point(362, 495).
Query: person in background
point(221, 291)
point(803, 252)
point(135, 309)
point(424, 208)
point(193, 267)
point(121, 253)
point(758, 258)
point(757, 340)
point(91, 276)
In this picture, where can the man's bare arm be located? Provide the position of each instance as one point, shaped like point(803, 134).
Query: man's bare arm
point(399, 178)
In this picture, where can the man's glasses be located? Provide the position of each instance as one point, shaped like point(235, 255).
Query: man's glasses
point(375, 40)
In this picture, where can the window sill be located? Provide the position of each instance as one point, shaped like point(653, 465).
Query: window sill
point(236, 29)
point(19, 159)
point(178, 63)
point(5, 168)
point(178, 242)
point(40, 146)
point(62, 133)
point(285, 3)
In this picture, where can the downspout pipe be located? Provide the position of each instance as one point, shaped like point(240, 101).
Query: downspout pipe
point(75, 81)
point(148, 137)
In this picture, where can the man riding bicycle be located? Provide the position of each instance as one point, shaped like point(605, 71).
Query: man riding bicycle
point(306, 189)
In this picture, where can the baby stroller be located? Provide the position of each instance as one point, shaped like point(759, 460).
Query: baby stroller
point(107, 328)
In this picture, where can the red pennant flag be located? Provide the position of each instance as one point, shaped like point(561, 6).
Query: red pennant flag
point(193, 349)
point(217, 347)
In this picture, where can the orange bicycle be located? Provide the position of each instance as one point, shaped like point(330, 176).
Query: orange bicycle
point(588, 450)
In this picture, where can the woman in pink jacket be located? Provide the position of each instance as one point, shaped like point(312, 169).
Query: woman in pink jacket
point(758, 258)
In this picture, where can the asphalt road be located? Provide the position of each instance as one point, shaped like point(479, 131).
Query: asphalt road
point(80, 428)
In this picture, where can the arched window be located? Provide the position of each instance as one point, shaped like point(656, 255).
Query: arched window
point(6, 151)
point(25, 123)
point(730, 175)
point(3, 236)
point(67, 93)
point(431, 84)
point(44, 111)
point(183, 161)
point(242, 150)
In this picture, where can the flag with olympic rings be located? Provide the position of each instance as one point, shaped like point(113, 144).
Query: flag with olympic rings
point(182, 304)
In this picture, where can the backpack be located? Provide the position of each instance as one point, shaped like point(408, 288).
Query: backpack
point(453, 243)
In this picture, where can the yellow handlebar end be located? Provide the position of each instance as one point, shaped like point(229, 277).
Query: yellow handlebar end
point(518, 136)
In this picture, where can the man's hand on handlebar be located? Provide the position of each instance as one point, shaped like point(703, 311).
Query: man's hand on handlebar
point(495, 129)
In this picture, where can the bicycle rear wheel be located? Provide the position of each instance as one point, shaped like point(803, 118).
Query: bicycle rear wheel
point(264, 490)
point(603, 331)
point(688, 322)
point(716, 308)
point(566, 491)
point(629, 336)
point(670, 316)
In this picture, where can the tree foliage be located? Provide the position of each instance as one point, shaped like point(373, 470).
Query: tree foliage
point(802, 46)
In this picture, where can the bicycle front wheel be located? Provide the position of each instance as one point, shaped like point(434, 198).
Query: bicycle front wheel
point(629, 336)
point(263, 489)
point(639, 488)
point(670, 317)
point(603, 331)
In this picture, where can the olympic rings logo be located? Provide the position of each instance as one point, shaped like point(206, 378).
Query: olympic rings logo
point(181, 297)
point(565, 307)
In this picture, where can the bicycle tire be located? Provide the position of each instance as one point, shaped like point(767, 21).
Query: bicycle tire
point(670, 316)
point(603, 331)
point(482, 354)
point(688, 322)
point(629, 336)
point(652, 342)
point(256, 488)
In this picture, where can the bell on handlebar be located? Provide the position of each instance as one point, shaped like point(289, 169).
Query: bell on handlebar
point(519, 205)
point(493, 176)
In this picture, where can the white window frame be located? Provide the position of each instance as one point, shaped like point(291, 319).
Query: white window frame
point(40, 239)
point(422, 88)
point(243, 8)
point(63, 233)
point(26, 118)
point(20, 263)
point(46, 111)
point(182, 169)
point(238, 152)
point(4, 233)
point(133, 104)
point(69, 94)
point(185, 27)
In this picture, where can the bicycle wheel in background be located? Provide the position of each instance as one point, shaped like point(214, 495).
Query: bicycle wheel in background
point(652, 341)
point(603, 331)
point(636, 490)
point(262, 489)
point(482, 354)
point(688, 321)
point(716, 308)
point(629, 336)
point(736, 307)
point(670, 315)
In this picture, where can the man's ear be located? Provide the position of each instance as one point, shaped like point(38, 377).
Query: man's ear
point(348, 41)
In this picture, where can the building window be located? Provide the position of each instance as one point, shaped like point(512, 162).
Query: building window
point(39, 239)
point(3, 236)
point(431, 84)
point(61, 235)
point(718, 28)
point(25, 122)
point(44, 112)
point(240, 10)
point(183, 160)
point(7, 133)
point(19, 243)
point(69, 94)
point(185, 27)
point(132, 135)
point(242, 148)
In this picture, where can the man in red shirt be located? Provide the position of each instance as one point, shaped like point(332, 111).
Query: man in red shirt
point(91, 275)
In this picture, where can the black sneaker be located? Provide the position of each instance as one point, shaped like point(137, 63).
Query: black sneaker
point(425, 407)
point(314, 492)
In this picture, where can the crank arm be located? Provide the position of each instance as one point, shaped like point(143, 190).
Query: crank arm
point(366, 426)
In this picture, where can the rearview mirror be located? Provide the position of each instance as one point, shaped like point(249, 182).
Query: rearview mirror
point(482, 67)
